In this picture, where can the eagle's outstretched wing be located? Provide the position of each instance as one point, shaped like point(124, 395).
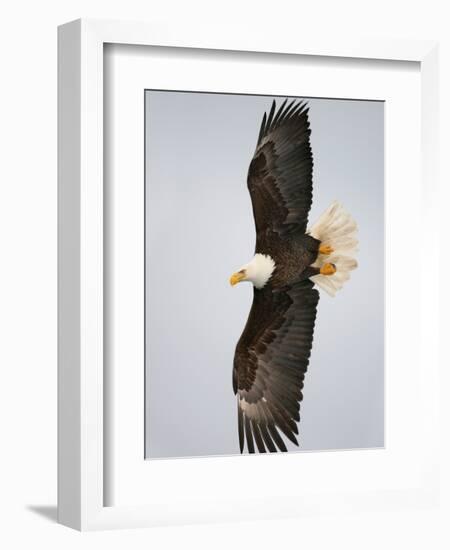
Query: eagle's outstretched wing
point(280, 173)
point(270, 362)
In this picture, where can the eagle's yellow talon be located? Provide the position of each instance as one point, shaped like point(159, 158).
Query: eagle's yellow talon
point(325, 249)
point(328, 269)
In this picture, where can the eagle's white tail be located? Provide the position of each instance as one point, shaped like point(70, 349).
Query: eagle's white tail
point(337, 229)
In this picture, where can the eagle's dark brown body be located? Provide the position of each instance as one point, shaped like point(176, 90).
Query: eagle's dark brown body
point(293, 256)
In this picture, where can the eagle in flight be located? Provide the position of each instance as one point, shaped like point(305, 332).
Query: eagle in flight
point(290, 261)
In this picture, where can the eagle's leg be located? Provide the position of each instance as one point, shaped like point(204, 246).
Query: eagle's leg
point(326, 269)
point(325, 249)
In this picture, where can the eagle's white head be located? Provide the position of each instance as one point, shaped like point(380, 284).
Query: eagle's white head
point(258, 271)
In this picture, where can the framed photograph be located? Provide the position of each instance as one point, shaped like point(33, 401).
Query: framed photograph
point(245, 327)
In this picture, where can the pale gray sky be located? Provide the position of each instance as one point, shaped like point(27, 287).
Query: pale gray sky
point(199, 229)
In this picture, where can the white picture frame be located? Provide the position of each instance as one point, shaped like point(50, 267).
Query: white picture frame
point(83, 486)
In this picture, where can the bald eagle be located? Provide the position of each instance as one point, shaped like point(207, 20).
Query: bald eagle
point(290, 261)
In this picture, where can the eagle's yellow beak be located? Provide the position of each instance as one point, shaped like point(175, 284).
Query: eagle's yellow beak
point(237, 277)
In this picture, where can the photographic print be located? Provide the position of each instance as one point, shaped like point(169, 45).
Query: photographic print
point(264, 274)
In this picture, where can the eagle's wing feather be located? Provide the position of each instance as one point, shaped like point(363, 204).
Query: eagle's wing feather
point(280, 173)
point(270, 362)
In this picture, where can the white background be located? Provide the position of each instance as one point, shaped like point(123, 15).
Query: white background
point(28, 272)
point(165, 484)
